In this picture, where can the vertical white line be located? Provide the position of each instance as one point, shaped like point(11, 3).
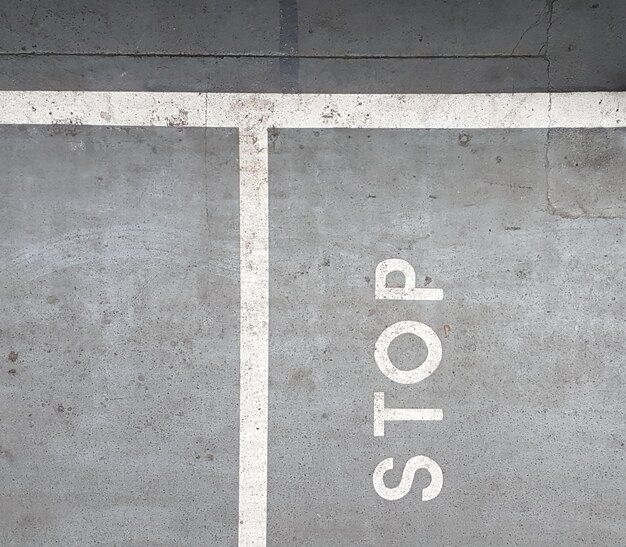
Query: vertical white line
point(254, 343)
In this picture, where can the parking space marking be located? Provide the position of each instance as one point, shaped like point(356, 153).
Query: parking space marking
point(253, 115)
point(265, 110)
point(254, 328)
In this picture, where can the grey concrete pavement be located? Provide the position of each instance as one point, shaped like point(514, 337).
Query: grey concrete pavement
point(119, 295)
point(341, 47)
point(262, 75)
point(314, 28)
point(532, 323)
point(119, 280)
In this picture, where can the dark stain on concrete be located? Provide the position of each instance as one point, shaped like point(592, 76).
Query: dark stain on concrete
point(464, 139)
point(289, 63)
point(302, 378)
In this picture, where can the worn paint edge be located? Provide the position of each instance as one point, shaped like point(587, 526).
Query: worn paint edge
point(371, 111)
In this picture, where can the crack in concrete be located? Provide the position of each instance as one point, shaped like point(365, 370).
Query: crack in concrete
point(550, 6)
point(540, 16)
point(552, 209)
point(265, 55)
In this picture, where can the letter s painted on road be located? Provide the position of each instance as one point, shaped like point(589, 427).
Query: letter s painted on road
point(411, 467)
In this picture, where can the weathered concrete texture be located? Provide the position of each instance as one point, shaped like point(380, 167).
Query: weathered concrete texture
point(312, 28)
point(407, 28)
point(587, 44)
point(119, 295)
point(458, 46)
point(245, 74)
point(452, 75)
point(119, 73)
point(532, 378)
point(590, 167)
point(159, 26)
point(103, 73)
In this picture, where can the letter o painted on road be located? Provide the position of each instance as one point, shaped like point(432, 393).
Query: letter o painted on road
point(425, 369)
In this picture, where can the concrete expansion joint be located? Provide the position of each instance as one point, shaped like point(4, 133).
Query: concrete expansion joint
point(278, 55)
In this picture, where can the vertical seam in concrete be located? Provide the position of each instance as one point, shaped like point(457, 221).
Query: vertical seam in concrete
point(547, 45)
point(289, 63)
point(551, 208)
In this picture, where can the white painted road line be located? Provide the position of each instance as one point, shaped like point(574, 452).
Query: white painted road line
point(249, 110)
point(384, 414)
point(254, 335)
point(253, 115)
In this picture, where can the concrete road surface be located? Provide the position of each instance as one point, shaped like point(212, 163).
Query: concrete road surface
point(365, 316)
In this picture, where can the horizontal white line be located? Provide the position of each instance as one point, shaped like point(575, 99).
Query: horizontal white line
point(247, 110)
